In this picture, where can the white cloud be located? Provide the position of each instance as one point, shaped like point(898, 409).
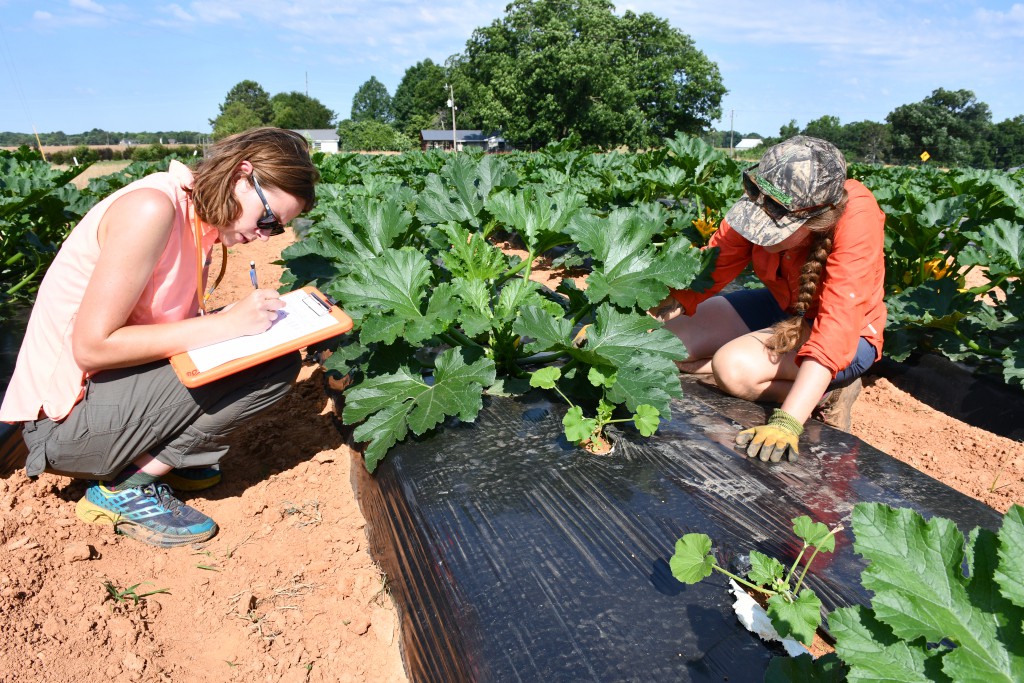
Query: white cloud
point(214, 12)
point(177, 12)
point(39, 15)
point(88, 6)
point(999, 25)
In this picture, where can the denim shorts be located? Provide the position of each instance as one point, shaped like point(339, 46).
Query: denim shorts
point(759, 310)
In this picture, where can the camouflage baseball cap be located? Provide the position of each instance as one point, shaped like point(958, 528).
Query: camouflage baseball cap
point(795, 181)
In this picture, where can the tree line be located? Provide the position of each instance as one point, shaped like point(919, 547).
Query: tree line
point(952, 126)
point(555, 69)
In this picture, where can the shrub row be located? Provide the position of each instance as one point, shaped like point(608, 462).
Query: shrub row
point(156, 152)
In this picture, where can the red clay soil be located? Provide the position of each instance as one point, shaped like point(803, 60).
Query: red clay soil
point(287, 591)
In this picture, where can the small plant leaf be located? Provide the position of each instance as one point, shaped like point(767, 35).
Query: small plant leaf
point(545, 378)
point(577, 427)
point(692, 561)
point(799, 618)
point(814, 533)
point(764, 570)
point(601, 377)
point(646, 419)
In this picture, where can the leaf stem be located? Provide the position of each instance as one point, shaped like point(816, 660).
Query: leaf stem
point(817, 549)
point(748, 584)
point(975, 346)
point(461, 339)
point(512, 272)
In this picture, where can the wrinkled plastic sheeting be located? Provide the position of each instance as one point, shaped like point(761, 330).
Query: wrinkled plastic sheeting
point(514, 556)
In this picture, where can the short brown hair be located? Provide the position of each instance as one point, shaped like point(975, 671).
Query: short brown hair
point(280, 157)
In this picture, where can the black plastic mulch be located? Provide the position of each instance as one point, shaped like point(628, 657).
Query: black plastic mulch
point(513, 556)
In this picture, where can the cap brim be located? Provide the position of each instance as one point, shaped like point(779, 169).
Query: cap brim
point(751, 221)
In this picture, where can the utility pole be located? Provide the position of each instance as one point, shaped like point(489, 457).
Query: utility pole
point(732, 152)
point(451, 103)
point(307, 84)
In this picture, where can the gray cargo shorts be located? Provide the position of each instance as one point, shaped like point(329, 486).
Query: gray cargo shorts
point(128, 412)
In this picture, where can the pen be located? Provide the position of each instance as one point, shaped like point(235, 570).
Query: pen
point(252, 275)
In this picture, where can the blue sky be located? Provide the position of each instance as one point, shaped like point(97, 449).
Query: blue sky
point(75, 65)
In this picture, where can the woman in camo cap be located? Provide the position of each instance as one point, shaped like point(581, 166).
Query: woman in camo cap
point(815, 239)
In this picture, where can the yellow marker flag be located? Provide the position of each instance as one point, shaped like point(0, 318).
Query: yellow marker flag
point(925, 156)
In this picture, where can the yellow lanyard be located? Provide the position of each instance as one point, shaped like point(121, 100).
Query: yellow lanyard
point(202, 263)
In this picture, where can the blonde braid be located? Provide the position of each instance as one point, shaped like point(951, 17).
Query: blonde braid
point(785, 335)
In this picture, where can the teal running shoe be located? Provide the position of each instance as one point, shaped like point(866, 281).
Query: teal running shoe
point(192, 478)
point(150, 514)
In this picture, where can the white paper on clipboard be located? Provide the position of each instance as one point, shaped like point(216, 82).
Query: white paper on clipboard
point(302, 314)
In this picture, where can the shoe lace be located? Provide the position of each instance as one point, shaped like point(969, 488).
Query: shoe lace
point(162, 493)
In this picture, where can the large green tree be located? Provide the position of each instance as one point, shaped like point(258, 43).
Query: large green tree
point(826, 128)
point(867, 141)
point(296, 110)
point(420, 98)
point(674, 85)
point(372, 103)
point(235, 118)
point(951, 125)
point(552, 68)
point(1008, 143)
point(253, 97)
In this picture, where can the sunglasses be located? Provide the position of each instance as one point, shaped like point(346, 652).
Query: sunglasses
point(269, 223)
point(772, 206)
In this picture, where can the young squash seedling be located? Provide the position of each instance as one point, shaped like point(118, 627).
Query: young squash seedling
point(793, 609)
point(588, 432)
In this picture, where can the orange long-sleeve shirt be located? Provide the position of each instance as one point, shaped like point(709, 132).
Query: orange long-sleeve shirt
point(849, 303)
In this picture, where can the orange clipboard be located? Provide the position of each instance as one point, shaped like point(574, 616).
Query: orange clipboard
point(308, 318)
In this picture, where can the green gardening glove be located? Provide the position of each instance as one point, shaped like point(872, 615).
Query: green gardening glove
point(771, 441)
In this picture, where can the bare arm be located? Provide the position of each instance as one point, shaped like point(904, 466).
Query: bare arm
point(812, 378)
point(132, 235)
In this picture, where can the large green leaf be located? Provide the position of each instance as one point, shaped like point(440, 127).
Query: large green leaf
point(630, 271)
point(613, 339)
point(394, 287)
point(1010, 574)
point(395, 403)
point(1001, 251)
point(542, 220)
point(458, 192)
point(646, 379)
point(919, 590)
point(872, 652)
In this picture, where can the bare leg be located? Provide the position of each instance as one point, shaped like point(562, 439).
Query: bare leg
point(150, 465)
point(714, 324)
point(746, 369)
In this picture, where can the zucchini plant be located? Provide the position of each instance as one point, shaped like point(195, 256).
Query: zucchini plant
point(940, 226)
point(793, 608)
point(941, 608)
point(38, 206)
point(443, 316)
